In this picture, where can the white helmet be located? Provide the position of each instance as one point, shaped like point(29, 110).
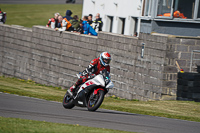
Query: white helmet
point(105, 58)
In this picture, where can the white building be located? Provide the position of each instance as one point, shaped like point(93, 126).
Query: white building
point(176, 17)
point(118, 16)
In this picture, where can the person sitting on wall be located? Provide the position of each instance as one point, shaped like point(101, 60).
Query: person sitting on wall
point(87, 29)
point(65, 24)
point(2, 17)
point(75, 23)
point(135, 34)
point(98, 23)
point(53, 22)
point(80, 28)
point(90, 19)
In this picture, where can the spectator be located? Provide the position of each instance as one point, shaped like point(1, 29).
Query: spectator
point(65, 24)
point(68, 15)
point(90, 19)
point(53, 22)
point(80, 28)
point(135, 34)
point(2, 17)
point(87, 29)
point(75, 23)
point(85, 18)
point(98, 23)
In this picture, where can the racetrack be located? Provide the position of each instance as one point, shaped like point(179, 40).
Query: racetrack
point(42, 110)
point(38, 2)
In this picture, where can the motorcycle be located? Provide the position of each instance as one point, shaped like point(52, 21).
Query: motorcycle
point(91, 93)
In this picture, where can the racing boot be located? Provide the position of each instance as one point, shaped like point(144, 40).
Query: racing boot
point(71, 90)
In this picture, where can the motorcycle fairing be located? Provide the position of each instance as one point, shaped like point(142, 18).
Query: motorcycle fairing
point(110, 85)
point(97, 81)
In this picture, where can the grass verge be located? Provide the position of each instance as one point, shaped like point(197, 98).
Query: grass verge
point(28, 15)
point(185, 110)
point(16, 125)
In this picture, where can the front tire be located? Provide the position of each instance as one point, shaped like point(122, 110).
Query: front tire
point(68, 101)
point(95, 102)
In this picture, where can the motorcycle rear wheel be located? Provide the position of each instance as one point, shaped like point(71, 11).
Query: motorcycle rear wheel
point(68, 101)
point(94, 103)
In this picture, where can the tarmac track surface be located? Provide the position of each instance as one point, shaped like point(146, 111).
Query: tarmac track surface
point(42, 110)
point(38, 2)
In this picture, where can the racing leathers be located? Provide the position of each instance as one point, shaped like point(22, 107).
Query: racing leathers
point(53, 23)
point(93, 69)
point(2, 17)
point(97, 25)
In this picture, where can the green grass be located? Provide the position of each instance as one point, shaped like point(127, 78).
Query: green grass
point(31, 89)
point(185, 110)
point(15, 125)
point(29, 14)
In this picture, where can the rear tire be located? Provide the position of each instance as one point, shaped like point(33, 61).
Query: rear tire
point(68, 101)
point(93, 104)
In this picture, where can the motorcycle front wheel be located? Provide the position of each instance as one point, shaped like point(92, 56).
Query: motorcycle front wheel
point(68, 101)
point(95, 101)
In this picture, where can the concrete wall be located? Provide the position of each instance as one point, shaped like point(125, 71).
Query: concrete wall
point(53, 58)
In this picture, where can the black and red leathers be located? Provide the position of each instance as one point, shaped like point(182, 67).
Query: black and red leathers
point(94, 68)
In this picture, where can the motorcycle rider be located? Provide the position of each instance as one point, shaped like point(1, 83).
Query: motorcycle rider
point(94, 68)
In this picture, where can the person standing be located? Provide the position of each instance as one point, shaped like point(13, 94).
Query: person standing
point(2, 17)
point(53, 22)
point(90, 19)
point(68, 15)
point(98, 23)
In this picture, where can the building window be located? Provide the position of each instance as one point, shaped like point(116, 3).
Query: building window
point(134, 26)
point(147, 8)
point(164, 8)
point(184, 9)
point(109, 23)
point(121, 25)
point(198, 14)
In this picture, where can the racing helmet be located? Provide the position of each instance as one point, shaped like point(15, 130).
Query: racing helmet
point(105, 58)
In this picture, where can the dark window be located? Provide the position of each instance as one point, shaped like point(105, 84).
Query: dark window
point(109, 23)
point(135, 26)
point(198, 14)
point(185, 7)
point(123, 25)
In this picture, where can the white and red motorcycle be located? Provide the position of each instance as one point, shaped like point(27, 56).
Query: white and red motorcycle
point(91, 93)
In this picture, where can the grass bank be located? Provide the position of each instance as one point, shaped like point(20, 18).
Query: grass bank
point(185, 110)
point(16, 125)
point(28, 15)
